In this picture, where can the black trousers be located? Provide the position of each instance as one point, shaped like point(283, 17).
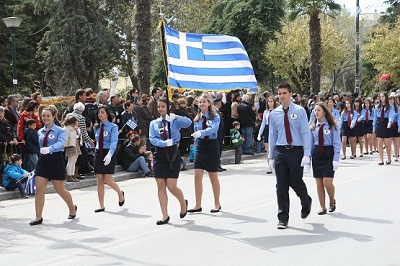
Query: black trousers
point(289, 173)
point(83, 162)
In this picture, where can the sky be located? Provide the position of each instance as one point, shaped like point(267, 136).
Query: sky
point(367, 6)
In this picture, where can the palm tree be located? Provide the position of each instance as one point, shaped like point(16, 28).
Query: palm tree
point(313, 8)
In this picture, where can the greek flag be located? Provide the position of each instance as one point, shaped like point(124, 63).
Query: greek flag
point(207, 62)
point(132, 124)
point(30, 184)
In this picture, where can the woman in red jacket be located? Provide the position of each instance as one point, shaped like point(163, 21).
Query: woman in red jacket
point(28, 113)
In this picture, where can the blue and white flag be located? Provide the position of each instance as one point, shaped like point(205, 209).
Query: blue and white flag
point(207, 62)
point(30, 184)
point(132, 124)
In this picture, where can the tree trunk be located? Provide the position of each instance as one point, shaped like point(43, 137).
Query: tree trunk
point(315, 51)
point(143, 41)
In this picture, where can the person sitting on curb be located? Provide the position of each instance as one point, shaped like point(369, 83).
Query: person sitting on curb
point(14, 176)
point(134, 157)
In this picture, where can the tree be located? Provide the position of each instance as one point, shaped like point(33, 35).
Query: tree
point(290, 55)
point(77, 46)
point(313, 9)
point(254, 22)
point(383, 50)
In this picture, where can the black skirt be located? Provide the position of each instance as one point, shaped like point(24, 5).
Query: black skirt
point(368, 127)
point(207, 155)
point(359, 129)
point(347, 131)
point(51, 166)
point(100, 168)
point(394, 130)
point(162, 165)
point(322, 163)
point(381, 129)
point(266, 133)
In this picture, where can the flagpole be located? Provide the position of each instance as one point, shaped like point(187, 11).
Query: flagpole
point(162, 29)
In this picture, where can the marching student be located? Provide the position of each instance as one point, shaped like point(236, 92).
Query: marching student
point(383, 120)
point(359, 125)
point(167, 158)
point(206, 124)
point(348, 120)
point(106, 133)
point(325, 154)
point(394, 130)
point(51, 165)
point(290, 150)
point(368, 114)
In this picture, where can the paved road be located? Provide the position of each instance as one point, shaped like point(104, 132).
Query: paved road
point(364, 230)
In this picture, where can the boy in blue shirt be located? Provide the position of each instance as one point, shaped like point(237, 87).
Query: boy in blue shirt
point(14, 176)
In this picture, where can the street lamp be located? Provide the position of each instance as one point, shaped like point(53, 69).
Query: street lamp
point(12, 24)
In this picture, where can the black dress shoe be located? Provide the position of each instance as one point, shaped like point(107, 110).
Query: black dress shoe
point(73, 216)
point(306, 212)
point(100, 210)
point(322, 212)
point(220, 169)
point(216, 210)
point(195, 210)
point(182, 215)
point(40, 221)
point(332, 206)
point(160, 222)
point(121, 203)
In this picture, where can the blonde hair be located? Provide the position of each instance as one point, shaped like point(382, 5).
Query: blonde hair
point(210, 107)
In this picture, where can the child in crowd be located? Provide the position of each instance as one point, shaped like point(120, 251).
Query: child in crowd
point(31, 148)
point(257, 142)
point(192, 152)
point(14, 176)
point(72, 146)
point(149, 160)
point(237, 141)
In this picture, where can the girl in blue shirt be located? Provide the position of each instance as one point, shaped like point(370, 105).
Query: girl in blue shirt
point(51, 165)
point(348, 120)
point(359, 124)
point(368, 114)
point(106, 134)
point(395, 128)
point(167, 159)
point(206, 125)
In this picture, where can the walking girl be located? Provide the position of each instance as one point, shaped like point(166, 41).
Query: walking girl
point(206, 125)
point(368, 114)
point(51, 165)
point(394, 129)
point(106, 134)
point(348, 120)
point(325, 154)
point(359, 125)
point(167, 158)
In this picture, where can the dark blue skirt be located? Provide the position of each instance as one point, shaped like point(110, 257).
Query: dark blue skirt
point(394, 130)
point(368, 127)
point(266, 133)
point(347, 131)
point(100, 168)
point(359, 129)
point(322, 163)
point(51, 166)
point(381, 129)
point(162, 165)
point(207, 155)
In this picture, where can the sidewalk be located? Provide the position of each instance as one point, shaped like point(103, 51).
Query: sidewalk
point(228, 157)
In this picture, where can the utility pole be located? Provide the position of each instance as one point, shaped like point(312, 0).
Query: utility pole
point(357, 81)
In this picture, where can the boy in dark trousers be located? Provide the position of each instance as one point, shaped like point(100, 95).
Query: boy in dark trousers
point(237, 141)
point(32, 148)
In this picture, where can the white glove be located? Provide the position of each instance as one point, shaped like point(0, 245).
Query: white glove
point(170, 117)
point(271, 164)
point(107, 159)
point(307, 167)
point(169, 142)
point(335, 165)
point(196, 134)
point(259, 138)
point(45, 150)
point(304, 161)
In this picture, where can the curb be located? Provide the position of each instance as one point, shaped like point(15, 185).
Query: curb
point(228, 157)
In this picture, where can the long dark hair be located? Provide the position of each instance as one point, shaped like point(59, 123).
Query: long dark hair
point(396, 108)
point(328, 115)
point(387, 105)
point(110, 115)
point(359, 101)
point(345, 110)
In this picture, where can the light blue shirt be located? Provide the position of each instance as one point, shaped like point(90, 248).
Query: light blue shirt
point(55, 138)
point(110, 136)
point(334, 112)
point(344, 119)
point(264, 121)
point(156, 132)
point(298, 128)
point(387, 114)
point(212, 126)
point(371, 114)
point(331, 138)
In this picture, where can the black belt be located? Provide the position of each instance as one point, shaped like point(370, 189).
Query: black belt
point(289, 147)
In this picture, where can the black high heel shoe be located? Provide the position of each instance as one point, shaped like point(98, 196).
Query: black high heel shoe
point(161, 222)
point(73, 216)
point(40, 221)
point(121, 203)
point(182, 215)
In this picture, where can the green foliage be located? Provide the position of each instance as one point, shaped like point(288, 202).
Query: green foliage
point(254, 22)
point(290, 55)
